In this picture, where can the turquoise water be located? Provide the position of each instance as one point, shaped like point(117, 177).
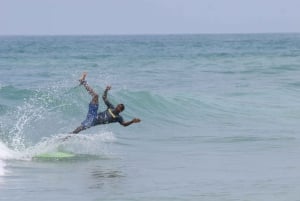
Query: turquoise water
point(220, 117)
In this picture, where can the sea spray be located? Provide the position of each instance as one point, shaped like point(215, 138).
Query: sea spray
point(23, 117)
point(2, 170)
point(87, 144)
point(5, 154)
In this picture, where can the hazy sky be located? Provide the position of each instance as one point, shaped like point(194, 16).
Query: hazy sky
point(48, 17)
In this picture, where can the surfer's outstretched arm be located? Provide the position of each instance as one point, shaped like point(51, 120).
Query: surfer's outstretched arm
point(135, 120)
point(88, 88)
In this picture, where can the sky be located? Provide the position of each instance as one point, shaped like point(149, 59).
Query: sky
point(102, 17)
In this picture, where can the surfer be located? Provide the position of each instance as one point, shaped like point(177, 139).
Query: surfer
point(110, 115)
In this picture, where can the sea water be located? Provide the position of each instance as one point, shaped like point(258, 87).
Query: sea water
point(220, 117)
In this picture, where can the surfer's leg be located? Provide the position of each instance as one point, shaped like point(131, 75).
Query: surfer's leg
point(95, 96)
point(78, 129)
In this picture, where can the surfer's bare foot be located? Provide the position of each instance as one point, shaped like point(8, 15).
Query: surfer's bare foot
point(82, 78)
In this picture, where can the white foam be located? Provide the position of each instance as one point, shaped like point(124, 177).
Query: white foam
point(91, 144)
point(2, 168)
point(5, 153)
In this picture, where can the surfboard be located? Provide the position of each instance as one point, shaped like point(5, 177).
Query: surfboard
point(55, 155)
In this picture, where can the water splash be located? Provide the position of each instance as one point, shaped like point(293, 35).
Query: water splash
point(5, 154)
point(2, 170)
point(24, 115)
point(91, 144)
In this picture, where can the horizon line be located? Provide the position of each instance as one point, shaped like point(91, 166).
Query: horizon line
point(152, 34)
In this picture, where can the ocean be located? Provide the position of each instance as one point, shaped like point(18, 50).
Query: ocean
point(220, 117)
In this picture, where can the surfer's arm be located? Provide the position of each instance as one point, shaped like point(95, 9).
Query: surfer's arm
point(135, 120)
point(104, 97)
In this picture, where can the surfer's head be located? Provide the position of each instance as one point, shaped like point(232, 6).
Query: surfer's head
point(120, 108)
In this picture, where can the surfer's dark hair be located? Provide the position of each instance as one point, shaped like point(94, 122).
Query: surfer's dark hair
point(122, 106)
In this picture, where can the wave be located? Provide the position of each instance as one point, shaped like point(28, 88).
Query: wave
point(44, 113)
point(59, 110)
point(10, 96)
point(40, 113)
point(67, 102)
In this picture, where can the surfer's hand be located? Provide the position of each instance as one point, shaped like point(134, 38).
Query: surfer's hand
point(136, 120)
point(82, 78)
point(108, 87)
